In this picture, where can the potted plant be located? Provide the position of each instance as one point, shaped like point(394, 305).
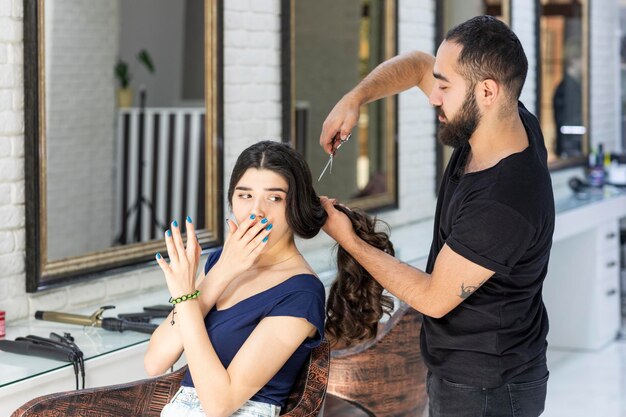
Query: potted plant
point(123, 75)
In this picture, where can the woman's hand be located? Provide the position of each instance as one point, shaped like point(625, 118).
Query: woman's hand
point(180, 272)
point(243, 245)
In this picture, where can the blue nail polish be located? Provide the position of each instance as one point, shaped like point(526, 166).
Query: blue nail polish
point(175, 223)
point(189, 219)
point(265, 238)
point(252, 217)
point(168, 233)
point(264, 220)
point(158, 256)
point(269, 227)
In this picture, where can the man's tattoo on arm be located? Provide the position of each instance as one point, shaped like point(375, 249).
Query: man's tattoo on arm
point(469, 290)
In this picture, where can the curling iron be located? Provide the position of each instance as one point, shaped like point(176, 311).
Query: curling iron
point(96, 320)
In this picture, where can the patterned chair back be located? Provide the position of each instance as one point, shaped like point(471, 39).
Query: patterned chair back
point(147, 397)
point(386, 376)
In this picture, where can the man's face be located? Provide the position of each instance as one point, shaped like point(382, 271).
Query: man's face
point(458, 130)
point(453, 98)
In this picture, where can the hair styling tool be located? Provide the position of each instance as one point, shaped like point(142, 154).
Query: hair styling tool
point(158, 310)
point(96, 319)
point(77, 353)
point(68, 340)
point(149, 313)
point(44, 348)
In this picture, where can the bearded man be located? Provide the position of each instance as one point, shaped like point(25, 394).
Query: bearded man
point(485, 324)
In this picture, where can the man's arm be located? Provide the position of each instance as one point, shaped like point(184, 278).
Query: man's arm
point(390, 77)
point(454, 278)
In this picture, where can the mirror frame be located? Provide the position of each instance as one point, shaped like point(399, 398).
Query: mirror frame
point(580, 160)
point(379, 202)
point(126, 257)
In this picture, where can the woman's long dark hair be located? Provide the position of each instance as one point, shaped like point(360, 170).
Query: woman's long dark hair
point(356, 301)
point(305, 214)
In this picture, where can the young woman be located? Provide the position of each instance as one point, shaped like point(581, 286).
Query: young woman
point(248, 326)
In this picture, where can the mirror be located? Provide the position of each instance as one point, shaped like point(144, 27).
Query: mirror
point(319, 67)
point(449, 14)
point(122, 131)
point(564, 114)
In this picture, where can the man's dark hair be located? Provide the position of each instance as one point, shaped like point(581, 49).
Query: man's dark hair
point(490, 51)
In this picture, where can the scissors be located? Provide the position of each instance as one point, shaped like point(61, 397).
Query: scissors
point(332, 156)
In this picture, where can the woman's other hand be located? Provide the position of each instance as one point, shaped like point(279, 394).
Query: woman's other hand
point(180, 272)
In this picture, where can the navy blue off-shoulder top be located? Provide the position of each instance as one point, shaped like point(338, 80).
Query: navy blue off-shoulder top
point(300, 296)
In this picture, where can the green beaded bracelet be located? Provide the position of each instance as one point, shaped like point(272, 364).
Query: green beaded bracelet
point(184, 297)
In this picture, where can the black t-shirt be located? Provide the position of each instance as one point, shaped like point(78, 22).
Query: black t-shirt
point(501, 218)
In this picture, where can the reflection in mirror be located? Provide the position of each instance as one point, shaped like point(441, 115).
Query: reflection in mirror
point(563, 79)
point(326, 65)
point(451, 13)
point(454, 12)
point(95, 174)
point(125, 142)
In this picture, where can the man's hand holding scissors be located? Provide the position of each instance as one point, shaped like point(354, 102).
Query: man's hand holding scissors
point(340, 122)
point(329, 164)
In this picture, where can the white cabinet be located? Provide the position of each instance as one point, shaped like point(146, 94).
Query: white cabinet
point(582, 290)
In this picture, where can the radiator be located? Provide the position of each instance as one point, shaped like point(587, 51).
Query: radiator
point(160, 171)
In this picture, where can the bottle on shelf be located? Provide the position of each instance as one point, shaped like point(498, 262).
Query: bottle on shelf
point(596, 171)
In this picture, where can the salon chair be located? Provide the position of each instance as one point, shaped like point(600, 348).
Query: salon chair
point(147, 397)
point(386, 376)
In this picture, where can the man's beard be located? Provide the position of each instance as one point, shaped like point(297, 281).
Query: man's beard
point(458, 131)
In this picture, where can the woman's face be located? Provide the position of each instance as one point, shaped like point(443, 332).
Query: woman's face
point(263, 193)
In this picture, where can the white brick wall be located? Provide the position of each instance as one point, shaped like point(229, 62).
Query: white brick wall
point(252, 107)
point(12, 279)
point(416, 130)
point(252, 112)
point(604, 87)
point(523, 24)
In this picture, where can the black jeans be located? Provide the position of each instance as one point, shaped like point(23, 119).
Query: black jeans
point(450, 399)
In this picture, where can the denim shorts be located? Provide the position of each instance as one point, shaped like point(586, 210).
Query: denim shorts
point(185, 403)
point(451, 399)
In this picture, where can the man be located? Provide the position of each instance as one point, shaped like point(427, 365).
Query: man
point(485, 325)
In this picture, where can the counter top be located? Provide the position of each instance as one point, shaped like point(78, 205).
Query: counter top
point(94, 342)
point(571, 201)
